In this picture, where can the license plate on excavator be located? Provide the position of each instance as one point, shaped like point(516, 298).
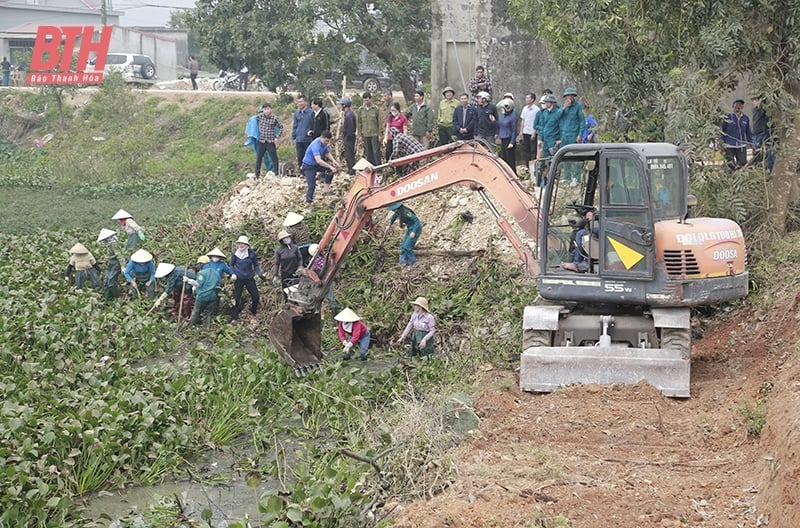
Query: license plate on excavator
point(297, 338)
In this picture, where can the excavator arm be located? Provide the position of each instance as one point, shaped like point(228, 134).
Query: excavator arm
point(296, 331)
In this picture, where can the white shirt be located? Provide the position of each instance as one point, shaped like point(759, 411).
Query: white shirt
point(528, 115)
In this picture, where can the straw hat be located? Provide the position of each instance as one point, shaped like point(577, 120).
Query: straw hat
point(163, 269)
point(216, 252)
point(422, 302)
point(78, 249)
point(243, 240)
point(105, 233)
point(292, 219)
point(203, 259)
point(121, 214)
point(347, 316)
point(283, 234)
point(141, 256)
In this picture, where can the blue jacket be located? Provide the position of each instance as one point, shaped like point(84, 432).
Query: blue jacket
point(550, 128)
point(301, 125)
point(736, 131)
point(508, 126)
point(486, 127)
point(208, 281)
point(246, 268)
point(220, 266)
point(137, 269)
point(251, 131)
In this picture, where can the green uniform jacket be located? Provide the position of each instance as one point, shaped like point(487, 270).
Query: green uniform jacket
point(421, 119)
point(446, 110)
point(368, 121)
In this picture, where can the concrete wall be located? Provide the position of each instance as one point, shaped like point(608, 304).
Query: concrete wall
point(163, 51)
point(485, 34)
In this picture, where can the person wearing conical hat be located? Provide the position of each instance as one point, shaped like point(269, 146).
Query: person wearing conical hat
point(82, 262)
point(175, 286)
point(421, 325)
point(132, 229)
point(447, 108)
point(206, 292)
point(141, 274)
point(287, 259)
point(217, 261)
point(352, 331)
point(113, 266)
point(244, 263)
point(296, 228)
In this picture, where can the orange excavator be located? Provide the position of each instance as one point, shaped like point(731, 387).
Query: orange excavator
point(615, 256)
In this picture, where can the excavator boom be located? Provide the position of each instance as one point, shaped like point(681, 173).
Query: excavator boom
point(295, 331)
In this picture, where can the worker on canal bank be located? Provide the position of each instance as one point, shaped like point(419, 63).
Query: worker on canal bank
point(132, 229)
point(287, 259)
point(141, 274)
point(113, 266)
point(244, 263)
point(217, 261)
point(413, 227)
point(352, 331)
point(83, 263)
point(181, 295)
point(296, 228)
point(421, 325)
point(206, 292)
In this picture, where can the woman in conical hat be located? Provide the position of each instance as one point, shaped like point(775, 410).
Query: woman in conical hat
point(423, 325)
point(141, 274)
point(85, 266)
point(134, 231)
point(352, 331)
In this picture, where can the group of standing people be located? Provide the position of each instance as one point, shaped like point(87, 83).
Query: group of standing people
point(738, 133)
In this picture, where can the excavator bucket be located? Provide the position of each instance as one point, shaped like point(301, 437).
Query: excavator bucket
point(297, 338)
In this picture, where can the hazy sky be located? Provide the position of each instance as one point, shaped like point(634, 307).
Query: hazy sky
point(152, 13)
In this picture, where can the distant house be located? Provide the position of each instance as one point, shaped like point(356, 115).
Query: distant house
point(20, 19)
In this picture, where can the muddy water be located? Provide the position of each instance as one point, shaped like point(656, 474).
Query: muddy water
point(217, 484)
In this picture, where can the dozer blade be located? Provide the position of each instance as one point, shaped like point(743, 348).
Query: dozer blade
point(544, 369)
point(297, 338)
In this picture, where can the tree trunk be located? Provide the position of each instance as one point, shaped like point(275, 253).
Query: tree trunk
point(782, 189)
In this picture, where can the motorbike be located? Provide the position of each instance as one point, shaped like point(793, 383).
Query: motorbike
point(255, 84)
point(226, 81)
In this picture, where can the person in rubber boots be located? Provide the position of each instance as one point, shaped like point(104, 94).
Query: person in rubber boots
point(422, 326)
point(413, 227)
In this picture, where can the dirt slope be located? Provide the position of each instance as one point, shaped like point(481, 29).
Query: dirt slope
point(625, 456)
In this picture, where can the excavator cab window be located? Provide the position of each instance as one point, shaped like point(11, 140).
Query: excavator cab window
point(626, 228)
point(666, 190)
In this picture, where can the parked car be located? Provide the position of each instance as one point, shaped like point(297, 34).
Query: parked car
point(132, 65)
point(368, 79)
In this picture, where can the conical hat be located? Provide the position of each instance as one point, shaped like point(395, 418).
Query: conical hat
point(105, 233)
point(347, 316)
point(362, 164)
point(163, 269)
point(216, 252)
point(122, 213)
point(422, 302)
point(141, 256)
point(78, 249)
point(292, 219)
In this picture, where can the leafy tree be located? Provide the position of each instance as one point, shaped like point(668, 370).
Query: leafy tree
point(268, 36)
point(290, 42)
point(679, 59)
